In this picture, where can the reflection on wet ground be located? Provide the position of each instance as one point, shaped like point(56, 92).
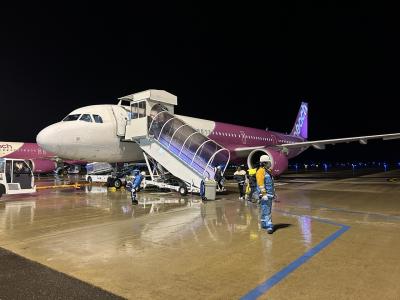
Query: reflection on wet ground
point(179, 247)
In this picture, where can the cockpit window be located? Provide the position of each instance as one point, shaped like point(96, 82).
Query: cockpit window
point(86, 118)
point(71, 117)
point(97, 119)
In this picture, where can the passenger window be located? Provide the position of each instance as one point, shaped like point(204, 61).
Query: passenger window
point(97, 119)
point(71, 118)
point(86, 118)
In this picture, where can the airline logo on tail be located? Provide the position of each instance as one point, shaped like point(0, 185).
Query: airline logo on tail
point(300, 127)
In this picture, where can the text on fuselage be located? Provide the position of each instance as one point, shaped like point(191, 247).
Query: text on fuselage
point(6, 147)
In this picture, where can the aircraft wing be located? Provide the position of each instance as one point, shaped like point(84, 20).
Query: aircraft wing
point(320, 144)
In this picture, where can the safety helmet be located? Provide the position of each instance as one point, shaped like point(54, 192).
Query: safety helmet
point(265, 158)
point(143, 173)
point(219, 167)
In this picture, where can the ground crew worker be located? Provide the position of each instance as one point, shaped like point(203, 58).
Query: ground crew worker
point(135, 185)
point(240, 177)
point(252, 190)
point(219, 178)
point(265, 183)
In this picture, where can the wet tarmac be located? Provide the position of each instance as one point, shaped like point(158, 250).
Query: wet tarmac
point(336, 238)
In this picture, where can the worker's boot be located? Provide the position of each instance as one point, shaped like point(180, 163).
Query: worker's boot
point(264, 225)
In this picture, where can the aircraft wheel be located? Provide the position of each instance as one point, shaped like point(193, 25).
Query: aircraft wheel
point(90, 180)
point(183, 190)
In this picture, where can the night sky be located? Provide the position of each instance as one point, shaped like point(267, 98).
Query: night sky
point(239, 63)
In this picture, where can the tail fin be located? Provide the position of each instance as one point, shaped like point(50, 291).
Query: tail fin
point(300, 127)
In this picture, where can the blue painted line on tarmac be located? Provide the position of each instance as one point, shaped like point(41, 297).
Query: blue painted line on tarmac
point(280, 275)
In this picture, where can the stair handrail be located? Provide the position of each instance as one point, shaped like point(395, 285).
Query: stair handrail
point(177, 131)
point(194, 156)
point(212, 158)
point(165, 124)
point(195, 132)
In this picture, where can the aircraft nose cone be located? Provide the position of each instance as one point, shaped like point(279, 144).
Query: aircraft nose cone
point(47, 138)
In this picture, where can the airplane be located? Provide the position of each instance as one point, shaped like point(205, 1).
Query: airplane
point(40, 160)
point(89, 133)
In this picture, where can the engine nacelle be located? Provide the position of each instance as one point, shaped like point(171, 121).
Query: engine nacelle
point(39, 165)
point(279, 160)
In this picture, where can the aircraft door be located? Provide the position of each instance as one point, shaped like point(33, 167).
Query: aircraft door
point(22, 174)
point(121, 117)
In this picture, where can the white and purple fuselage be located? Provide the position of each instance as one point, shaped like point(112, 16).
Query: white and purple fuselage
point(90, 134)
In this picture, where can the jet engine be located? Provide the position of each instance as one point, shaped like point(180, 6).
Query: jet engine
point(42, 165)
point(279, 160)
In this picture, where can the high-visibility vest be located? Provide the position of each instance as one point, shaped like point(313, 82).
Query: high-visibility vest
point(260, 175)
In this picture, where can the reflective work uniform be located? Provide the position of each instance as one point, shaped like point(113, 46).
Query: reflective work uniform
point(252, 191)
point(135, 186)
point(265, 183)
point(240, 177)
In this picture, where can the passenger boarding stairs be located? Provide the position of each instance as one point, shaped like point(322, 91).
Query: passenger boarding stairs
point(179, 148)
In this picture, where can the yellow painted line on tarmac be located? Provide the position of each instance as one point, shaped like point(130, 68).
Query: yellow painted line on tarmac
point(75, 185)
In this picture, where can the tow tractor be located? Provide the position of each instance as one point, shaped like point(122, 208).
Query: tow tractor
point(16, 177)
